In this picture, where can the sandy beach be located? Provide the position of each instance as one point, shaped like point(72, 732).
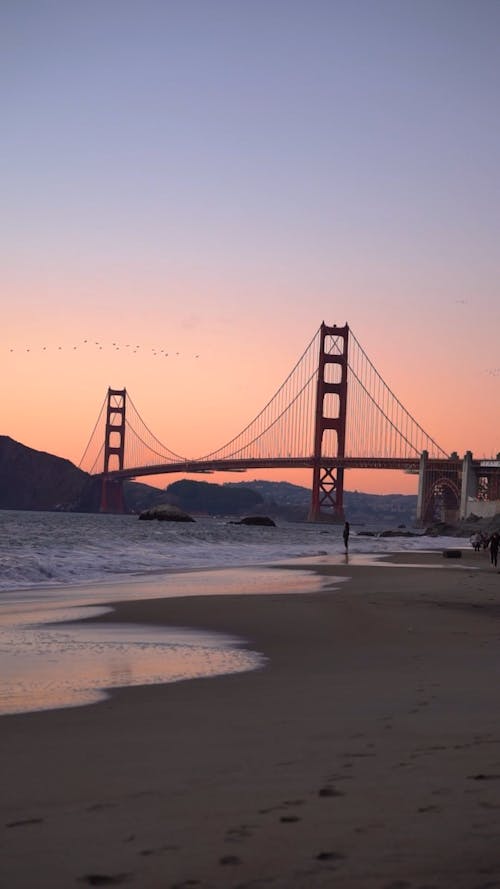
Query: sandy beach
point(366, 753)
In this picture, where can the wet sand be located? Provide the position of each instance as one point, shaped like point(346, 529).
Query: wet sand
point(366, 753)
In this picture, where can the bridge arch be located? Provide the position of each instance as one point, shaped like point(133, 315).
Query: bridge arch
point(442, 500)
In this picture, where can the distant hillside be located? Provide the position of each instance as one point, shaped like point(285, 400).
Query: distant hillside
point(293, 502)
point(389, 509)
point(32, 479)
point(287, 501)
point(207, 498)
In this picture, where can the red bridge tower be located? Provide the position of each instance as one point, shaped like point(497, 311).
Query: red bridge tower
point(114, 451)
point(328, 488)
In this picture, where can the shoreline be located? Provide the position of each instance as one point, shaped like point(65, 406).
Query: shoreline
point(365, 751)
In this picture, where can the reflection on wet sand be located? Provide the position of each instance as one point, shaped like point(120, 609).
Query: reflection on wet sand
point(53, 654)
point(48, 667)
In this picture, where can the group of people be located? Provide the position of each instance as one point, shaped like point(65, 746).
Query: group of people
point(480, 540)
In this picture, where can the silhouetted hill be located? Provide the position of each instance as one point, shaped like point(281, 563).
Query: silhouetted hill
point(139, 496)
point(32, 479)
point(287, 501)
point(207, 498)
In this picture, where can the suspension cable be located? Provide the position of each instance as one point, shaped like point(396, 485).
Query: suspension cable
point(396, 399)
point(93, 432)
point(259, 415)
point(153, 436)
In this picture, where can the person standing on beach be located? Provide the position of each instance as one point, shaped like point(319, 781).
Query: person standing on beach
point(345, 535)
point(476, 542)
point(494, 544)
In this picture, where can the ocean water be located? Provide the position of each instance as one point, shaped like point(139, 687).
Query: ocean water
point(44, 550)
point(56, 568)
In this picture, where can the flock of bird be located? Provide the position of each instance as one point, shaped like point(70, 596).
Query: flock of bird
point(133, 350)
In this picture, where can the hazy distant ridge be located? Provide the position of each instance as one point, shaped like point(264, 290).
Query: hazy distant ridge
point(286, 500)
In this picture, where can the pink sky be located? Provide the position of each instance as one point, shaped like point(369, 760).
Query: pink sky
point(216, 180)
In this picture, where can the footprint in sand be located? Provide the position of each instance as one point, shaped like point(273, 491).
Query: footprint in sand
point(104, 879)
point(330, 856)
point(289, 819)
point(330, 791)
point(24, 822)
point(229, 859)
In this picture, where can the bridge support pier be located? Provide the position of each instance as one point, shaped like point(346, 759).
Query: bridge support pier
point(450, 490)
point(328, 481)
point(112, 500)
point(469, 485)
point(424, 456)
point(480, 487)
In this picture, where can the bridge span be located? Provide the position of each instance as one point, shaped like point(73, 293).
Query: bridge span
point(333, 413)
point(193, 467)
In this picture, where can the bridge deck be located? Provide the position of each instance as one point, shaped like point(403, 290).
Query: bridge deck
point(405, 464)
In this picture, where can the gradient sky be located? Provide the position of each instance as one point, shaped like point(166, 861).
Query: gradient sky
point(215, 178)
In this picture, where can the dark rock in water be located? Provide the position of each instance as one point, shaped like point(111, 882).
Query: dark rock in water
point(400, 534)
point(257, 520)
point(166, 513)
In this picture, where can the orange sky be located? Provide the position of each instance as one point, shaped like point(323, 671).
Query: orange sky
point(173, 179)
point(197, 400)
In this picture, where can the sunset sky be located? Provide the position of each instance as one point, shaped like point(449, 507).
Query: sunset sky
point(214, 178)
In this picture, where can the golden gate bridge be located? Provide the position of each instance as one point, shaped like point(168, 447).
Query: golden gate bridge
point(333, 412)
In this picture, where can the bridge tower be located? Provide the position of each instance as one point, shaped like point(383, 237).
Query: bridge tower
point(114, 451)
point(328, 483)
